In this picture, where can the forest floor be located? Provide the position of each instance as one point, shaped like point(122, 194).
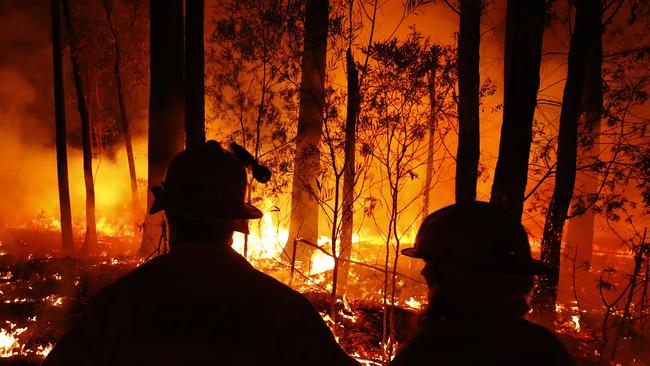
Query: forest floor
point(41, 297)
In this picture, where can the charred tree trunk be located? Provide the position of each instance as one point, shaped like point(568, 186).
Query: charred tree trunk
point(166, 103)
point(347, 219)
point(122, 117)
point(67, 240)
point(580, 228)
point(430, 149)
point(304, 204)
point(90, 240)
point(545, 294)
point(467, 156)
point(194, 74)
point(523, 54)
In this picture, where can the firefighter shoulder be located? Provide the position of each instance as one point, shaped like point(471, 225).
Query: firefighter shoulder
point(200, 304)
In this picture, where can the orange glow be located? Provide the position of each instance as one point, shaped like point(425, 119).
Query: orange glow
point(9, 344)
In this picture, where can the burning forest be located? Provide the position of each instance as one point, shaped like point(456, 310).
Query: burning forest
point(391, 171)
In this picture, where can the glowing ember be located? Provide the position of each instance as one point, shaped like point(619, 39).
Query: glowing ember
point(17, 301)
point(54, 300)
point(44, 350)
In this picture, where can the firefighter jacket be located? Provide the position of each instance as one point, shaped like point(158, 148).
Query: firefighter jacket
point(496, 341)
point(198, 306)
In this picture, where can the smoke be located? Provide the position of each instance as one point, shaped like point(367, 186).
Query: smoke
point(28, 175)
point(25, 108)
point(28, 178)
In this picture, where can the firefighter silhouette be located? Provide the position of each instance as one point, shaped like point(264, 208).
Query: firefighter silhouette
point(479, 270)
point(203, 303)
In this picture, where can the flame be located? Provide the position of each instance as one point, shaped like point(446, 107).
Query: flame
point(54, 300)
point(265, 240)
point(576, 322)
point(321, 262)
point(9, 343)
point(43, 351)
point(54, 224)
point(414, 303)
point(114, 228)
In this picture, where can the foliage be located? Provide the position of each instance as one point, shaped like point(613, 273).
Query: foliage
point(96, 53)
point(252, 79)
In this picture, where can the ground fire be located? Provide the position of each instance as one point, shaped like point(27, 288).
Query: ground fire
point(355, 124)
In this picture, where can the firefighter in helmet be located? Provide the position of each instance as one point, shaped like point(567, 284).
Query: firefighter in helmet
point(479, 270)
point(202, 303)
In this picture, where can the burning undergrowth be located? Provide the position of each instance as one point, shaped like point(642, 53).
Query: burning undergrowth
point(41, 298)
point(42, 295)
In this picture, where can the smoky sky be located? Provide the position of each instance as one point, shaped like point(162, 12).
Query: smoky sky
point(26, 104)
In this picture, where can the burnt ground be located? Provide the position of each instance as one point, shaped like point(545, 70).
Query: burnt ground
point(46, 295)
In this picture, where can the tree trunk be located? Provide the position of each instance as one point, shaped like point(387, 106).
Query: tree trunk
point(430, 149)
point(304, 204)
point(194, 74)
point(580, 229)
point(347, 219)
point(467, 156)
point(67, 240)
point(90, 240)
point(545, 294)
point(122, 117)
point(523, 54)
point(166, 103)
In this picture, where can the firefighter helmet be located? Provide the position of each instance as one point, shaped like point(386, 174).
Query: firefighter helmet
point(205, 183)
point(476, 235)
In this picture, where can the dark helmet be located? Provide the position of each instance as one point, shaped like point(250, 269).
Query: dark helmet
point(205, 183)
point(476, 235)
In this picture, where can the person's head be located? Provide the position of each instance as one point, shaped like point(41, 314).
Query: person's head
point(477, 256)
point(203, 196)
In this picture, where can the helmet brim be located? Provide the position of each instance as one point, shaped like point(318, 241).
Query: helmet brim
point(528, 267)
point(410, 252)
point(162, 201)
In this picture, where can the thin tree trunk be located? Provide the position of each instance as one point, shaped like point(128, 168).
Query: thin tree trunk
point(523, 54)
point(580, 229)
point(545, 294)
point(467, 156)
point(166, 103)
point(430, 149)
point(347, 219)
point(67, 240)
point(304, 205)
point(122, 117)
point(90, 241)
point(194, 74)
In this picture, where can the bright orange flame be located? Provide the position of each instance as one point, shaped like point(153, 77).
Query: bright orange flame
point(9, 343)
